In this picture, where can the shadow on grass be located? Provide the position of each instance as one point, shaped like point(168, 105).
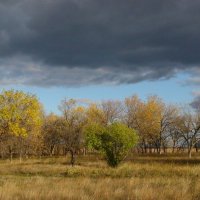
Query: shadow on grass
point(165, 159)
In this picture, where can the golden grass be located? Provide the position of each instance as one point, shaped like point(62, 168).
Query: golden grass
point(151, 178)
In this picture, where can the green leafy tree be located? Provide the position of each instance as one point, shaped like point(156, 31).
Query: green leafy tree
point(93, 133)
point(114, 141)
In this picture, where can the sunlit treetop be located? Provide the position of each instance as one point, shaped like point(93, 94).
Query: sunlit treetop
point(20, 113)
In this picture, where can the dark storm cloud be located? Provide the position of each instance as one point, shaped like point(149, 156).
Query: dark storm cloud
point(196, 103)
point(74, 42)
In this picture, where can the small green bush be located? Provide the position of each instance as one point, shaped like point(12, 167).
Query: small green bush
point(114, 141)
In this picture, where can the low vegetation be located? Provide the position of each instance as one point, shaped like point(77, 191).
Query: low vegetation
point(141, 177)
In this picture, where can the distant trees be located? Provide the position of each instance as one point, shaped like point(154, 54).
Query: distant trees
point(169, 122)
point(158, 126)
point(111, 110)
point(94, 114)
point(189, 129)
point(156, 123)
point(145, 117)
point(111, 127)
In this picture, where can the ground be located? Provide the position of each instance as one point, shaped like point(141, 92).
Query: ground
point(141, 177)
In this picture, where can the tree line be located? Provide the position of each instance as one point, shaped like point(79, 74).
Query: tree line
point(110, 127)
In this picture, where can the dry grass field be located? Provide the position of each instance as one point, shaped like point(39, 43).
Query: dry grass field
point(142, 177)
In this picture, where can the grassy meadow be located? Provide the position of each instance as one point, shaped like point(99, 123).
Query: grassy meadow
point(141, 177)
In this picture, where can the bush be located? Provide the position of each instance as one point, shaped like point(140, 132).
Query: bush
point(114, 141)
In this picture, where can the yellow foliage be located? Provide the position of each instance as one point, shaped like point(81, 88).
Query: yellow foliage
point(94, 114)
point(145, 117)
point(20, 113)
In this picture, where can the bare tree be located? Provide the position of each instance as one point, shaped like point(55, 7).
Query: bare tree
point(190, 130)
point(73, 121)
point(112, 111)
point(168, 122)
point(51, 132)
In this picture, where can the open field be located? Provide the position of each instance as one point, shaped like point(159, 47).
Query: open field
point(143, 177)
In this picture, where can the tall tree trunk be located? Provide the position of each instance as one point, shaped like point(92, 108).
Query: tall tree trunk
point(20, 149)
point(160, 143)
point(164, 148)
point(150, 149)
point(145, 148)
point(196, 147)
point(84, 151)
point(20, 156)
point(52, 150)
point(190, 152)
point(72, 157)
point(11, 153)
point(174, 144)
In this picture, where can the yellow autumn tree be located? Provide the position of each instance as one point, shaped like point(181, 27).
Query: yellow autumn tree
point(94, 114)
point(150, 117)
point(20, 115)
point(145, 117)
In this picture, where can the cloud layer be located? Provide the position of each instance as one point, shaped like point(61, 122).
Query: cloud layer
point(82, 42)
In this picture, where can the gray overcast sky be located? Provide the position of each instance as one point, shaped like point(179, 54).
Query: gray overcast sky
point(48, 42)
point(73, 43)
